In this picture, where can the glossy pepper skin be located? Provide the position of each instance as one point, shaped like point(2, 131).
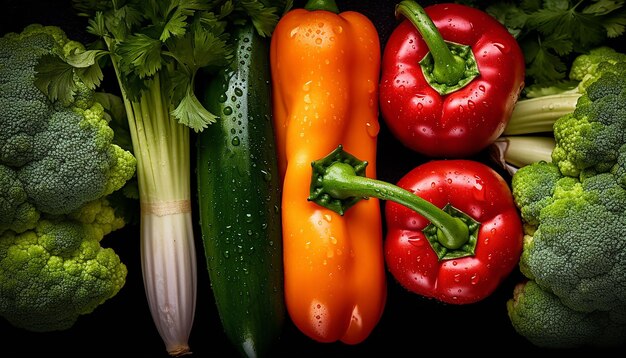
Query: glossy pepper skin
point(465, 121)
point(325, 67)
point(478, 191)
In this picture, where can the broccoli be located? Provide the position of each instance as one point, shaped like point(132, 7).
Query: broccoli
point(55, 157)
point(563, 327)
point(57, 271)
point(586, 109)
point(590, 137)
point(59, 165)
point(574, 256)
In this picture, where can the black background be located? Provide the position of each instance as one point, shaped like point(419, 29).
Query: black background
point(410, 326)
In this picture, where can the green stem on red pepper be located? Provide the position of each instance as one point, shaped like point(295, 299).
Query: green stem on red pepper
point(450, 66)
point(339, 182)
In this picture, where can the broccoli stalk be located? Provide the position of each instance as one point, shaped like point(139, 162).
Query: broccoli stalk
point(529, 134)
point(514, 152)
point(538, 114)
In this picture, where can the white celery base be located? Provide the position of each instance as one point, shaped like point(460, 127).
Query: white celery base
point(168, 262)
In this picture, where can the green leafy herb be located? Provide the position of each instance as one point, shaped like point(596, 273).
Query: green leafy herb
point(552, 32)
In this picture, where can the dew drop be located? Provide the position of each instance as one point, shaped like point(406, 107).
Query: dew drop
point(373, 128)
point(474, 279)
point(416, 241)
point(267, 176)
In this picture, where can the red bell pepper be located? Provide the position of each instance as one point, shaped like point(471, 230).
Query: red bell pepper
point(453, 230)
point(465, 272)
point(451, 75)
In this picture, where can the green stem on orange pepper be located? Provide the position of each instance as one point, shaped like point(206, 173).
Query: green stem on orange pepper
point(339, 182)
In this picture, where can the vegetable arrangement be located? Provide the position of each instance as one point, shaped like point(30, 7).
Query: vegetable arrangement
point(155, 49)
point(529, 135)
point(337, 255)
point(453, 230)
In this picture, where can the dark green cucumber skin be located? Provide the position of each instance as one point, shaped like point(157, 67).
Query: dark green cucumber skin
point(239, 199)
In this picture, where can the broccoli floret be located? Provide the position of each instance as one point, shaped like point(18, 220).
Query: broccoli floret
point(16, 213)
point(59, 165)
point(574, 249)
point(534, 193)
point(543, 319)
point(61, 153)
point(591, 136)
point(54, 273)
point(588, 66)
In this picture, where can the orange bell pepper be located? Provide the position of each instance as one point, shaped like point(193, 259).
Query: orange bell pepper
point(325, 68)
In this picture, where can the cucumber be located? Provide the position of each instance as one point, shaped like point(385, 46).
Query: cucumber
point(239, 199)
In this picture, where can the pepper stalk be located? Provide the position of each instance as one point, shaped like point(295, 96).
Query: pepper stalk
point(449, 66)
point(339, 181)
